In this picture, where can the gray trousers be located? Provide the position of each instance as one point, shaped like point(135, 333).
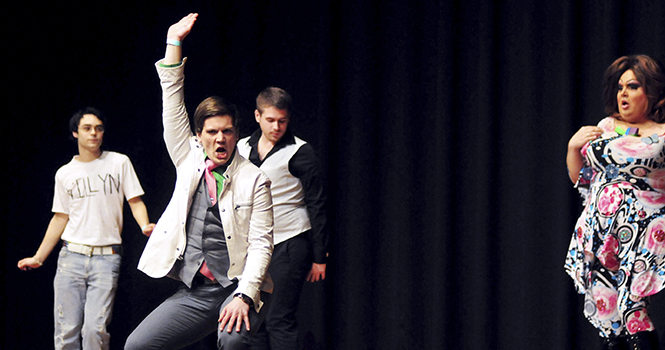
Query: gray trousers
point(188, 316)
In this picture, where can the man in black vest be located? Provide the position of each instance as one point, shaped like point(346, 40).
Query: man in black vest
point(300, 234)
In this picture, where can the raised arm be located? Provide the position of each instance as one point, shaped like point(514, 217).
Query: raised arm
point(176, 34)
point(177, 131)
point(53, 233)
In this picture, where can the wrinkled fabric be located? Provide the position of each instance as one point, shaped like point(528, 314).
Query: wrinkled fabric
point(616, 254)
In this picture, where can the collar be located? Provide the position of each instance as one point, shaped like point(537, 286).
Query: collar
point(287, 139)
point(228, 169)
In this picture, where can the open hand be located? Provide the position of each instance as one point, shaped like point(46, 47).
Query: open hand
point(234, 313)
point(317, 273)
point(181, 29)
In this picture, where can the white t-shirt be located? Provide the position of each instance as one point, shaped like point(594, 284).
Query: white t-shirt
point(93, 194)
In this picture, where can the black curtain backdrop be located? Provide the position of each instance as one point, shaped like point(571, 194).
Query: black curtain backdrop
point(441, 126)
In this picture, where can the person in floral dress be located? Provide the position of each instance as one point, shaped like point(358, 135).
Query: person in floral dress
point(616, 256)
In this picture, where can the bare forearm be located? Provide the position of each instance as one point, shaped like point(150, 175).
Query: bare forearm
point(53, 234)
point(139, 211)
point(575, 162)
point(173, 55)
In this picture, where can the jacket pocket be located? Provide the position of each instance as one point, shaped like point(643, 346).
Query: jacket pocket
point(242, 212)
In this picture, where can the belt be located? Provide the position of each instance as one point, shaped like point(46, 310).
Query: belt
point(89, 250)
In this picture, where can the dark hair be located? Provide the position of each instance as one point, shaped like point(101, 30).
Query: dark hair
point(75, 120)
point(648, 72)
point(214, 106)
point(273, 97)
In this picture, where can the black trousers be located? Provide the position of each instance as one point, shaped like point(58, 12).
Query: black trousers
point(290, 264)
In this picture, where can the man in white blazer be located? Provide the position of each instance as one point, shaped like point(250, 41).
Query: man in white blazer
point(216, 234)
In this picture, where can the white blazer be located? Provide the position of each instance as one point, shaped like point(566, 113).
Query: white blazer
point(245, 204)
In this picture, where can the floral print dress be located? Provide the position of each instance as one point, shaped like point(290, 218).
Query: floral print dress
point(617, 253)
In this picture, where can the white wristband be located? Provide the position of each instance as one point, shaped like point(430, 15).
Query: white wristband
point(173, 42)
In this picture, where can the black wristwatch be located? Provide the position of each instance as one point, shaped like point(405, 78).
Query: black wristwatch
point(245, 298)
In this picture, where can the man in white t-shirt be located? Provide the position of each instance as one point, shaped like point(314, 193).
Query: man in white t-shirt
point(87, 206)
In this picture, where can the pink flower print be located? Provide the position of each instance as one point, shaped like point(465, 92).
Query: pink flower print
point(629, 146)
point(639, 321)
point(607, 254)
point(639, 266)
point(655, 236)
point(639, 172)
point(646, 284)
point(606, 302)
point(580, 235)
point(588, 251)
point(656, 180)
point(584, 149)
point(651, 199)
point(608, 124)
point(609, 200)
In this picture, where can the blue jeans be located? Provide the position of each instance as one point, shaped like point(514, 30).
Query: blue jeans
point(84, 294)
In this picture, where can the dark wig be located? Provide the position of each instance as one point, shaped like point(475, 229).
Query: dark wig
point(648, 72)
